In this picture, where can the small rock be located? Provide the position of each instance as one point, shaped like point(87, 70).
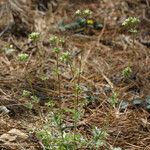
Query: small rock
point(7, 138)
point(137, 102)
point(19, 133)
point(4, 110)
point(107, 89)
point(117, 148)
point(147, 103)
point(147, 107)
point(147, 100)
point(13, 135)
point(123, 105)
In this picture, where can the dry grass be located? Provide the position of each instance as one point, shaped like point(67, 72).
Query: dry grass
point(105, 55)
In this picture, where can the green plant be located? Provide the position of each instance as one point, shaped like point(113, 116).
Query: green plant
point(99, 136)
point(56, 50)
point(84, 18)
point(26, 93)
point(34, 36)
point(65, 57)
point(57, 43)
point(44, 77)
point(61, 41)
point(55, 134)
point(57, 70)
point(114, 99)
point(78, 90)
point(58, 117)
point(131, 24)
point(126, 73)
point(83, 13)
point(53, 141)
point(53, 40)
point(29, 105)
point(33, 99)
point(50, 104)
point(23, 57)
point(83, 22)
point(76, 115)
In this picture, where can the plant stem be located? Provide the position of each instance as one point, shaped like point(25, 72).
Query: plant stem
point(58, 76)
point(78, 83)
point(59, 92)
point(133, 39)
point(77, 96)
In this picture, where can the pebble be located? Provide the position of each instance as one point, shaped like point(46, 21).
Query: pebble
point(4, 110)
point(13, 136)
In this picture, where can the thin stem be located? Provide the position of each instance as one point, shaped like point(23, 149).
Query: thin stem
point(58, 76)
point(77, 97)
point(71, 69)
point(78, 83)
point(133, 39)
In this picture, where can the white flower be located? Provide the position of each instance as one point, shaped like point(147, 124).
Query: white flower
point(131, 21)
point(78, 12)
point(87, 12)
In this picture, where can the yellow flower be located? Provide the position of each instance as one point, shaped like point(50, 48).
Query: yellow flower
point(90, 22)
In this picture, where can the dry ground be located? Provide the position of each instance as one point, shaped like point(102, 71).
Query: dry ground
point(105, 55)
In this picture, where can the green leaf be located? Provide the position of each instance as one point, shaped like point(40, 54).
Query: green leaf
point(34, 36)
point(29, 105)
point(26, 93)
point(23, 57)
point(56, 49)
point(65, 57)
point(80, 21)
point(114, 99)
point(72, 26)
point(53, 39)
point(35, 99)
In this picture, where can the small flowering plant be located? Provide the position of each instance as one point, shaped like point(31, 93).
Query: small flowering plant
point(90, 22)
point(26, 93)
point(83, 22)
point(56, 50)
point(23, 57)
point(131, 23)
point(83, 13)
point(86, 18)
point(56, 41)
point(34, 36)
point(65, 57)
point(53, 40)
point(126, 73)
point(78, 13)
